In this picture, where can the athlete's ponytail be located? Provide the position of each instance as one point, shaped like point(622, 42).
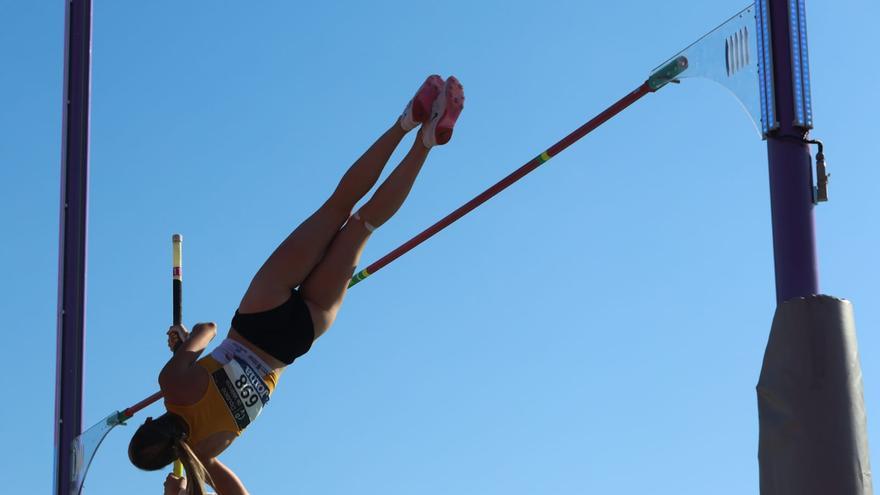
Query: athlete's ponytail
point(157, 443)
point(196, 473)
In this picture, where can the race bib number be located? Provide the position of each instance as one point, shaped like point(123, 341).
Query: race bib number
point(243, 390)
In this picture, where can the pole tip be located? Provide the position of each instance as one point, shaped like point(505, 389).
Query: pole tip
point(668, 72)
point(176, 238)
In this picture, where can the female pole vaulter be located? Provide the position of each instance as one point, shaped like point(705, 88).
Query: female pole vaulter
point(291, 301)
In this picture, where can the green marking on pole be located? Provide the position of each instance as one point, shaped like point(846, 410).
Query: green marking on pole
point(543, 157)
point(358, 277)
point(668, 73)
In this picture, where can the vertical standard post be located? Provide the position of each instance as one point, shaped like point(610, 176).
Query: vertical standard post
point(813, 434)
point(791, 202)
point(72, 244)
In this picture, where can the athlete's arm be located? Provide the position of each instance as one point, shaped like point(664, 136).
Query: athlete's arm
point(178, 379)
point(196, 342)
point(225, 481)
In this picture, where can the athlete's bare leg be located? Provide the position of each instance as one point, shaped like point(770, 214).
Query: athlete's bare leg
point(325, 287)
point(298, 255)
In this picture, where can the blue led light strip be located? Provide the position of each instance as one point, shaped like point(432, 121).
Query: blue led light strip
point(805, 63)
point(762, 87)
point(797, 26)
point(796, 74)
point(765, 68)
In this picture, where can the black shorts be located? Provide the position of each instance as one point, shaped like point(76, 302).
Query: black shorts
point(285, 332)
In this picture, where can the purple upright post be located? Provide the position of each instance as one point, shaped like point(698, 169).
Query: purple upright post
point(72, 246)
point(791, 201)
point(813, 436)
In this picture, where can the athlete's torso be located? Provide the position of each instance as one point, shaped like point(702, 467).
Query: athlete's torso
point(238, 385)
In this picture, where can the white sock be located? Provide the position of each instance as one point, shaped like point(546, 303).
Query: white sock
point(406, 121)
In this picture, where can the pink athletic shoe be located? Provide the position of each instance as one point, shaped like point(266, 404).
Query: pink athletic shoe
point(418, 110)
point(444, 113)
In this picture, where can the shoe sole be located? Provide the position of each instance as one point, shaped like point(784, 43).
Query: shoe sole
point(424, 98)
point(451, 101)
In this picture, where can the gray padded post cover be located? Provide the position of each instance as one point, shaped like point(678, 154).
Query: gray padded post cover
point(813, 438)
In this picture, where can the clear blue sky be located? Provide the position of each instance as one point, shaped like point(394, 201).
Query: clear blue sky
point(597, 328)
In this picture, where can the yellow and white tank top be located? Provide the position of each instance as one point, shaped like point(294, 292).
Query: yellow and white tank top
point(239, 386)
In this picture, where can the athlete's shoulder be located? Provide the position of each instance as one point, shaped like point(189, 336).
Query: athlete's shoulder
point(183, 383)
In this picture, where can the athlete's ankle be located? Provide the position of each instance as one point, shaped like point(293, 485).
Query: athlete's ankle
point(397, 130)
point(419, 143)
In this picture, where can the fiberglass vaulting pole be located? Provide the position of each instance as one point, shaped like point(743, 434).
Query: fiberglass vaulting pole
point(813, 436)
point(72, 246)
